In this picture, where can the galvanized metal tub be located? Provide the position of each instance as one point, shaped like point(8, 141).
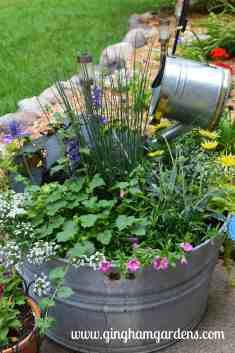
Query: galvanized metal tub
point(191, 92)
point(153, 301)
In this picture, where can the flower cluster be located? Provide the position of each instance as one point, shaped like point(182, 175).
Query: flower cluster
point(72, 150)
point(41, 252)
point(10, 254)
point(90, 261)
point(15, 131)
point(96, 96)
point(41, 285)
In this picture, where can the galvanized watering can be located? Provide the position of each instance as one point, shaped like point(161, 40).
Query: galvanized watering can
point(191, 93)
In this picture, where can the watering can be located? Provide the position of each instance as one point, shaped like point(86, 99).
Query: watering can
point(188, 92)
point(191, 93)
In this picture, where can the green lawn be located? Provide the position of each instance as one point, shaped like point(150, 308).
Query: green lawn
point(39, 37)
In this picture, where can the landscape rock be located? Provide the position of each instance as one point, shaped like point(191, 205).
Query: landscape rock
point(134, 22)
point(136, 37)
point(33, 105)
point(26, 118)
point(116, 56)
point(49, 95)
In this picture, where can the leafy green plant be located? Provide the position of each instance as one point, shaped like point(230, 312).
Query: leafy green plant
point(12, 300)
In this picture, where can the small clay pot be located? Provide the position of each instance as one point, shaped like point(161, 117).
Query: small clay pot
point(29, 343)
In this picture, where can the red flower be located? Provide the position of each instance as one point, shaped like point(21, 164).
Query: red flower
point(225, 66)
point(219, 53)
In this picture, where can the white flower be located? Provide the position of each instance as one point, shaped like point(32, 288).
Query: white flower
point(42, 285)
point(92, 261)
point(11, 254)
point(42, 252)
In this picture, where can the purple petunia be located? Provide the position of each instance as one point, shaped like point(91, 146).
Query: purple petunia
point(105, 266)
point(133, 265)
point(15, 131)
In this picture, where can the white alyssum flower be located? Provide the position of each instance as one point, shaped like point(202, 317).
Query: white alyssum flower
point(41, 252)
point(10, 254)
point(92, 261)
point(42, 285)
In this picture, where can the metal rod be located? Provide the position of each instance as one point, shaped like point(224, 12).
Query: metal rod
point(182, 24)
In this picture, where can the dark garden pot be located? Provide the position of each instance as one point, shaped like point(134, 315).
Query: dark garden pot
point(154, 300)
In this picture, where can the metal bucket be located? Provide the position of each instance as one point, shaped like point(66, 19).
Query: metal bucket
point(153, 301)
point(192, 93)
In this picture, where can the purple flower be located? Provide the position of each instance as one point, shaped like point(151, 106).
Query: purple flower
point(103, 120)
point(161, 264)
point(96, 96)
point(133, 265)
point(15, 131)
point(105, 266)
point(183, 260)
point(187, 247)
point(72, 150)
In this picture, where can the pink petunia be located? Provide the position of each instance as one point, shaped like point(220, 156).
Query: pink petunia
point(164, 263)
point(133, 265)
point(157, 263)
point(105, 266)
point(187, 247)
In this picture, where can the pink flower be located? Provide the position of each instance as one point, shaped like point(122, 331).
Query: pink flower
point(164, 263)
point(183, 260)
point(187, 247)
point(133, 265)
point(159, 264)
point(105, 266)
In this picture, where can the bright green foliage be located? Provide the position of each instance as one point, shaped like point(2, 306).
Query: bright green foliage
point(12, 299)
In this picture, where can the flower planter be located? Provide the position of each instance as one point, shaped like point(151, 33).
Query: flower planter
point(29, 344)
point(154, 300)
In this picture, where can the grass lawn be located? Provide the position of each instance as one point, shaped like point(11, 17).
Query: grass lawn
point(39, 37)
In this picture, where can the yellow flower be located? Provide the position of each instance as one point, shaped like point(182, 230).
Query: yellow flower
point(208, 134)
point(227, 160)
point(157, 153)
point(209, 145)
point(151, 129)
point(164, 123)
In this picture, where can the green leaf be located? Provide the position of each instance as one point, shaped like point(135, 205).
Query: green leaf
point(46, 303)
point(96, 182)
point(82, 248)
point(88, 220)
point(64, 292)
point(105, 237)
point(123, 221)
point(57, 206)
point(69, 231)
point(57, 273)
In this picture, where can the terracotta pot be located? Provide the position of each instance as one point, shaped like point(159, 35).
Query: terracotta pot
point(29, 343)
